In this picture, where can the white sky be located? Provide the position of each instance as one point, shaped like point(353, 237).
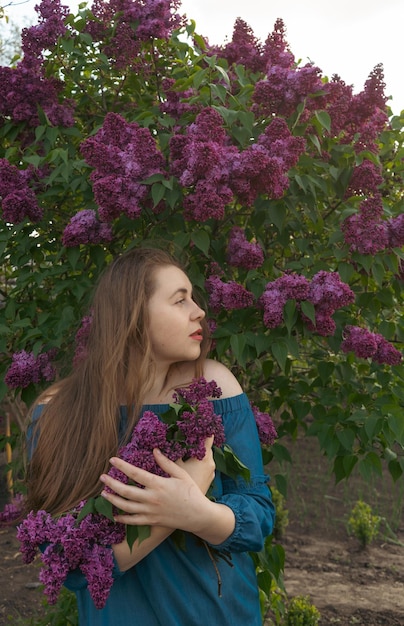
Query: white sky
point(348, 37)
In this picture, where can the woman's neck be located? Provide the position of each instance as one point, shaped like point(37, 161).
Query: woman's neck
point(166, 380)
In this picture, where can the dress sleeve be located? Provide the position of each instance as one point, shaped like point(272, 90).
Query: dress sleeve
point(251, 502)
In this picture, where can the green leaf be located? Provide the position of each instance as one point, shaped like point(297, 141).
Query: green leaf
point(324, 119)
point(88, 508)
point(104, 507)
point(131, 535)
point(228, 463)
point(308, 310)
point(280, 352)
point(157, 191)
point(202, 241)
point(143, 532)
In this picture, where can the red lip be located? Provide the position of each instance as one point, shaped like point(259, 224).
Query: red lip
point(197, 335)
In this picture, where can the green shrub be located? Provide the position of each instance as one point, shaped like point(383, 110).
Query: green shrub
point(301, 612)
point(362, 524)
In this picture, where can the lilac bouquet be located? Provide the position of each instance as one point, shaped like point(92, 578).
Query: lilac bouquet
point(82, 538)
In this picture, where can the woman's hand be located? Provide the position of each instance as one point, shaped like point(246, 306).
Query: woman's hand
point(174, 502)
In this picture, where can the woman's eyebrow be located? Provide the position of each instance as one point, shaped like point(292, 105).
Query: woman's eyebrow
point(181, 290)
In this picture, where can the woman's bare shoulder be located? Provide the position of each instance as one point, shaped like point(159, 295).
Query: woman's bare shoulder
point(214, 370)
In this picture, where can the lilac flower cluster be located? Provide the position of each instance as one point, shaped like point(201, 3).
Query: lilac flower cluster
point(365, 232)
point(26, 87)
point(216, 172)
point(175, 101)
point(155, 19)
point(152, 19)
point(245, 49)
point(12, 510)
point(123, 154)
point(284, 88)
point(69, 545)
point(395, 231)
point(198, 390)
point(262, 167)
point(83, 540)
point(328, 293)
point(278, 292)
point(26, 368)
point(179, 433)
point(18, 200)
point(85, 228)
point(325, 291)
point(229, 295)
point(266, 429)
point(366, 179)
point(242, 253)
point(358, 118)
point(201, 161)
point(45, 34)
point(367, 345)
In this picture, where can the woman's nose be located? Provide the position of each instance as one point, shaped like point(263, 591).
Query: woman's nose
point(198, 313)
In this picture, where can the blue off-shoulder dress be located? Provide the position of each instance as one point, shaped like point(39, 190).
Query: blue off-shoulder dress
point(173, 586)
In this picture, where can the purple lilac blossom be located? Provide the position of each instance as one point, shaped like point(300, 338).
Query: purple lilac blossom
point(262, 167)
point(184, 438)
point(27, 368)
point(175, 103)
point(154, 19)
point(97, 568)
point(366, 232)
point(199, 389)
point(244, 49)
point(44, 35)
point(123, 154)
point(327, 293)
point(71, 545)
point(290, 286)
point(12, 510)
point(18, 200)
point(366, 179)
point(395, 231)
point(85, 228)
point(201, 161)
point(229, 295)
point(25, 88)
point(358, 118)
point(242, 253)
point(266, 429)
point(365, 344)
point(284, 88)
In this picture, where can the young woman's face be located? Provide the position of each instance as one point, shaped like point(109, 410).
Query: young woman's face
point(175, 319)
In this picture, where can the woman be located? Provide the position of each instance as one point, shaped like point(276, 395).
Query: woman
point(148, 337)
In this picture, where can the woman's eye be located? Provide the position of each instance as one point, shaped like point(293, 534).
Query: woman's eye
point(180, 301)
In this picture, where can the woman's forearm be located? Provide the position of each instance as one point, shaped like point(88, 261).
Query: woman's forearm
point(127, 557)
point(217, 524)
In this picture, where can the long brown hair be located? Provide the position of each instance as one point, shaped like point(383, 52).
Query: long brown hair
point(78, 430)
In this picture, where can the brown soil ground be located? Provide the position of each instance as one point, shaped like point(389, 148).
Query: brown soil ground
point(348, 585)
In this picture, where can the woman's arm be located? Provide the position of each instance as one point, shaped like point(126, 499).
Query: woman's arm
point(167, 504)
